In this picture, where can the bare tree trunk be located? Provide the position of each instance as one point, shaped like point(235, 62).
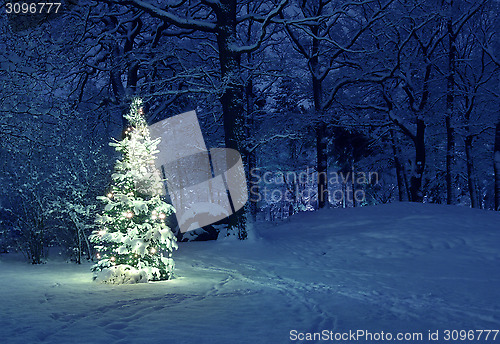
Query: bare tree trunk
point(450, 131)
point(416, 192)
point(398, 167)
point(407, 185)
point(450, 158)
point(251, 155)
point(232, 97)
point(344, 193)
point(321, 165)
point(353, 184)
point(321, 132)
point(471, 177)
point(122, 94)
point(497, 166)
point(79, 243)
point(250, 128)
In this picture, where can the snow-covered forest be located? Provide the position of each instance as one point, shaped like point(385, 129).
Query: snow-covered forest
point(369, 135)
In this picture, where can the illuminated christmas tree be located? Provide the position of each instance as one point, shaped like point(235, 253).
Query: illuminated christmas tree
point(133, 242)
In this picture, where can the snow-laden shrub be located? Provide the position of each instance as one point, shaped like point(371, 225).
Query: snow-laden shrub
point(121, 274)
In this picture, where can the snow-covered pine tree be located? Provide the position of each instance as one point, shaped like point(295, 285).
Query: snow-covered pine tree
point(132, 241)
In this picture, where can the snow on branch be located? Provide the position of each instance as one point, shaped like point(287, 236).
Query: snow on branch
point(262, 34)
point(184, 23)
point(290, 136)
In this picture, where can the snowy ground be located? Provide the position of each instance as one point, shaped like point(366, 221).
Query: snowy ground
point(393, 268)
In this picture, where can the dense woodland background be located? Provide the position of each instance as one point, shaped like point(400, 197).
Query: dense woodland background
point(408, 89)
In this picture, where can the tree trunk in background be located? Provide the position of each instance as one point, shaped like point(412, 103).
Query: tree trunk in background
point(321, 131)
point(251, 156)
point(497, 166)
point(472, 183)
point(398, 167)
point(450, 131)
point(293, 184)
point(416, 192)
point(344, 193)
point(353, 184)
point(121, 93)
point(450, 158)
point(321, 165)
point(471, 176)
point(407, 185)
point(232, 97)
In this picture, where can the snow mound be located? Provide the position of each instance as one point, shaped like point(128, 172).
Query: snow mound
point(121, 274)
point(204, 213)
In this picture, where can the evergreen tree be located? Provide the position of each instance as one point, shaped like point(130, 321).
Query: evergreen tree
point(132, 241)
